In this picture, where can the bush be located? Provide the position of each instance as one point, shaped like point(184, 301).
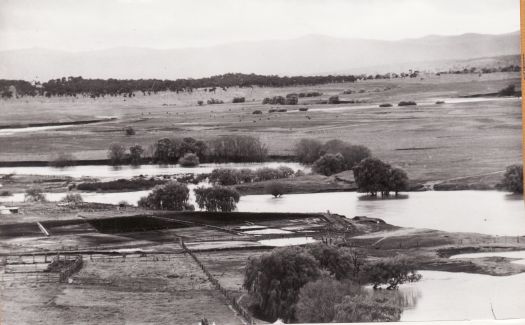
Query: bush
point(224, 176)
point(334, 100)
point(189, 160)
point(200, 102)
point(317, 300)
point(116, 153)
point(369, 307)
point(510, 90)
point(352, 154)
point(129, 131)
point(386, 105)
point(245, 175)
point(291, 100)
point(62, 160)
point(276, 100)
point(171, 196)
point(266, 174)
point(308, 150)
point(439, 102)
point(276, 189)
point(406, 103)
point(282, 110)
point(34, 195)
point(72, 198)
point(513, 179)
point(213, 101)
point(392, 272)
point(310, 94)
point(329, 164)
point(238, 100)
point(257, 112)
point(303, 109)
point(6, 193)
point(274, 280)
point(217, 198)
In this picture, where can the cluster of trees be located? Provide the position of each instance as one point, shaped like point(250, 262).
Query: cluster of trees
point(334, 156)
point(280, 100)
point(135, 184)
point(174, 196)
point(513, 179)
point(321, 283)
point(230, 176)
point(484, 70)
point(95, 88)
point(374, 176)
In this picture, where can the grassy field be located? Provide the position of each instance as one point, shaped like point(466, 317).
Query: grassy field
point(432, 142)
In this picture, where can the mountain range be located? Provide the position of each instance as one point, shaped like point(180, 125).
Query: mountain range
point(308, 55)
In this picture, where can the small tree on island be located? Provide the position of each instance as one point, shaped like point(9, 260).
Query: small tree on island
point(217, 198)
point(171, 196)
point(372, 176)
point(513, 179)
point(276, 189)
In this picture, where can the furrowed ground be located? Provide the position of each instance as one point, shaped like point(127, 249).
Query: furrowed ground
point(431, 141)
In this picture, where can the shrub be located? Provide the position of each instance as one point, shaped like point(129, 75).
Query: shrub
point(329, 164)
point(513, 179)
point(120, 184)
point(257, 112)
point(274, 280)
point(116, 153)
point(510, 90)
point(282, 110)
point(245, 175)
point(284, 172)
point(391, 272)
point(352, 154)
point(386, 105)
point(334, 100)
point(129, 131)
point(135, 154)
point(171, 196)
point(440, 102)
point(62, 160)
point(276, 189)
point(266, 174)
point(34, 194)
point(291, 100)
point(369, 307)
point(276, 100)
point(189, 160)
point(238, 100)
point(224, 176)
point(214, 101)
point(200, 102)
point(303, 109)
point(317, 300)
point(217, 198)
point(406, 103)
point(308, 150)
point(6, 193)
point(72, 198)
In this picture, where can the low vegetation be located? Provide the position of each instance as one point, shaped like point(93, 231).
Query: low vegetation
point(62, 160)
point(407, 103)
point(513, 179)
point(217, 198)
point(171, 196)
point(34, 194)
point(238, 100)
point(230, 176)
point(386, 105)
point(189, 160)
point(72, 199)
point(136, 184)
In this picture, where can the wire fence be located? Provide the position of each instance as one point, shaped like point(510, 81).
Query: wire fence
point(231, 298)
point(36, 268)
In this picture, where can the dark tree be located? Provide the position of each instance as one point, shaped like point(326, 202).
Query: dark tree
point(189, 160)
point(397, 180)
point(275, 188)
point(135, 154)
point(513, 179)
point(217, 198)
point(171, 196)
point(391, 272)
point(116, 153)
point(329, 164)
point(371, 176)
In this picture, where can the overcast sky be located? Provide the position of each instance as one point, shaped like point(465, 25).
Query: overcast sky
point(95, 24)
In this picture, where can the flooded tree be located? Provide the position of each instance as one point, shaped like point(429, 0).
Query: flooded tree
point(135, 154)
point(116, 153)
point(217, 198)
point(513, 179)
point(391, 272)
point(276, 189)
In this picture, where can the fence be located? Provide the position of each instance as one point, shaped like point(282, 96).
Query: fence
point(34, 268)
point(238, 308)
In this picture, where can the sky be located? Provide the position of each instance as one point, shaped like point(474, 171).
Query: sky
point(81, 25)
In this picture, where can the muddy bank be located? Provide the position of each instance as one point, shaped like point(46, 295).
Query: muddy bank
point(34, 125)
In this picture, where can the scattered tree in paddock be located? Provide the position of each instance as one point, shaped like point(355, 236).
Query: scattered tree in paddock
point(116, 153)
point(171, 196)
point(513, 179)
point(200, 102)
point(189, 160)
point(257, 112)
point(238, 100)
point(334, 100)
point(35, 194)
point(274, 280)
point(276, 189)
point(213, 101)
point(510, 90)
point(217, 198)
point(386, 105)
point(135, 154)
point(407, 103)
point(129, 131)
point(329, 164)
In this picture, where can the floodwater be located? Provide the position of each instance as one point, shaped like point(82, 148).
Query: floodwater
point(291, 241)
point(487, 212)
point(464, 296)
point(116, 172)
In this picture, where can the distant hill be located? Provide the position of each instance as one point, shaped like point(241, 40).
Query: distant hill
point(307, 55)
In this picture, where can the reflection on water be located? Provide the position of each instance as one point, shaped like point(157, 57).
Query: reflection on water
point(112, 172)
point(513, 254)
point(487, 212)
point(464, 296)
